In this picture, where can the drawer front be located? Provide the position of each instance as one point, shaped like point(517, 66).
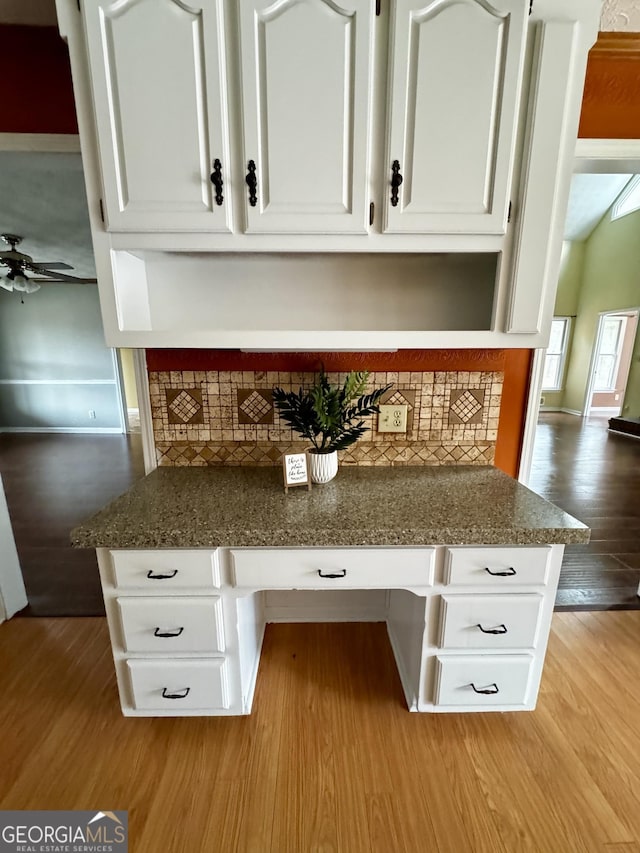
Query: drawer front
point(159, 571)
point(490, 621)
point(325, 568)
point(168, 625)
point(459, 680)
point(179, 685)
point(497, 568)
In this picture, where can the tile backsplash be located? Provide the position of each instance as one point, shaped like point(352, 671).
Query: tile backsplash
point(227, 417)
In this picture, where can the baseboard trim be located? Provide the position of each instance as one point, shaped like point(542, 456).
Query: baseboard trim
point(572, 412)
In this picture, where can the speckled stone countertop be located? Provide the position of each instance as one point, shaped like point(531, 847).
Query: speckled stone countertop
point(210, 507)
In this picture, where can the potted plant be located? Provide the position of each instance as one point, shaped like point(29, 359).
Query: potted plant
point(331, 417)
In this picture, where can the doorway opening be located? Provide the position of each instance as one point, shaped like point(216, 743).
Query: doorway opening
point(611, 362)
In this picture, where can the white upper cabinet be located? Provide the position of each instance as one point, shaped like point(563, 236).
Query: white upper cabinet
point(159, 94)
point(305, 72)
point(455, 71)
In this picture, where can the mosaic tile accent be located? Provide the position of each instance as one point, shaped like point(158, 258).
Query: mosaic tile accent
point(466, 406)
point(228, 418)
point(255, 406)
point(184, 406)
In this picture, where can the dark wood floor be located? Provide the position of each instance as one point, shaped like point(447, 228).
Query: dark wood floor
point(52, 482)
point(595, 476)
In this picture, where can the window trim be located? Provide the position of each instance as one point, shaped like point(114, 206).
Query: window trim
point(618, 210)
point(617, 355)
point(566, 319)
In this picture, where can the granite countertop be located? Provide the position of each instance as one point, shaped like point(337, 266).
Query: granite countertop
point(210, 507)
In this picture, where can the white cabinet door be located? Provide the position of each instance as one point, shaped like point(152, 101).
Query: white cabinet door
point(455, 69)
point(159, 93)
point(306, 107)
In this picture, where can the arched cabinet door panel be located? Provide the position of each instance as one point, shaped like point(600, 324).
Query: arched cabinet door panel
point(305, 68)
point(455, 68)
point(159, 93)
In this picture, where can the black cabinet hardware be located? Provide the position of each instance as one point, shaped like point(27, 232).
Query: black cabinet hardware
point(501, 629)
point(509, 573)
point(396, 180)
point(340, 574)
point(216, 180)
point(175, 694)
point(490, 690)
point(174, 633)
point(252, 183)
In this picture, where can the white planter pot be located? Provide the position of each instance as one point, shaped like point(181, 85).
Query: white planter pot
point(323, 466)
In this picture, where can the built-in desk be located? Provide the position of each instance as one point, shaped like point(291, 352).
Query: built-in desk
point(461, 563)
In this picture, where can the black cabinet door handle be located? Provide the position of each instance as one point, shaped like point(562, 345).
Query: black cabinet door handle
point(396, 181)
point(155, 577)
point(501, 629)
point(173, 633)
point(340, 574)
point(175, 694)
point(216, 180)
point(252, 183)
point(509, 573)
point(489, 690)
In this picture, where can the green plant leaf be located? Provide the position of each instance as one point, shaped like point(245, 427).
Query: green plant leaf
point(323, 414)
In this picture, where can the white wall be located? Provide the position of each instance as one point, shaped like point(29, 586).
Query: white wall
point(54, 365)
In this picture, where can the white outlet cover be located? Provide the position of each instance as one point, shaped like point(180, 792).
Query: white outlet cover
point(392, 418)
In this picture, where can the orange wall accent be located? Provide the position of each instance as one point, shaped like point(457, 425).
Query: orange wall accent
point(515, 363)
point(611, 101)
point(515, 390)
point(408, 359)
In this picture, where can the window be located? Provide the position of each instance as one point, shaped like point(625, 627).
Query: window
point(608, 357)
point(553, 373)
point(628, 200)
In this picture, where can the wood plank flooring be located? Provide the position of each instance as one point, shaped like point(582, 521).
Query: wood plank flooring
point(595, 476)
point(53, 482)
point(330, 760)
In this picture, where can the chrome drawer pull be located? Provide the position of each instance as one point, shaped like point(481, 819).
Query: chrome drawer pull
point(489, 691)
point(341, 574)
point(501, 629)
point(174, 633)
point(510, 572)
point(153, 577)
point(179, 694)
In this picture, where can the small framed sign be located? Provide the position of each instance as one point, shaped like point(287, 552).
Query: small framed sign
point(296, 470)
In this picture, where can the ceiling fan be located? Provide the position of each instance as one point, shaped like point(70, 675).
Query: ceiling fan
point(19, 264)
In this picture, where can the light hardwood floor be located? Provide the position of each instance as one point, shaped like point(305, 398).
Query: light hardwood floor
point(331, 760)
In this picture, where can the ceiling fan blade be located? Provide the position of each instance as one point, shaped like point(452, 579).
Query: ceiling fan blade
point(61, 277)
point(54, 265)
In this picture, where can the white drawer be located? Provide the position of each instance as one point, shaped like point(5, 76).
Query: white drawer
point(489, 680)
point(163, 570)
point(168, 625)
point(490, 621)
point(327, 568)
point(498, 568)
point(179, 685)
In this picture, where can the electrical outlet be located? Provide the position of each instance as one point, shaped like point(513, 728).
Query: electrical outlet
point(392, 419)
point(92, 414)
